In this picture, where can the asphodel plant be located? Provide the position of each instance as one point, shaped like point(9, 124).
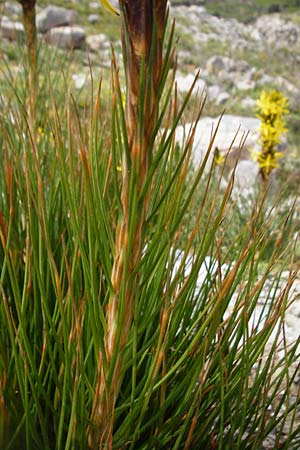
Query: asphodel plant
point(29, 20)
point(143, 26)
point(137, 306)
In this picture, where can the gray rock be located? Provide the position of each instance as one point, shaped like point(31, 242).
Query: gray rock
point(184, 83)
point(255, 35)
point(94, 5)
point(184, 57)
point(13, 8)
point(222, 98)
point(97, 42)
point(248, 103)
point(238, 66)
point(227, 79)
point(277, 30)
point(93, 18)
point(213, 92)
point(14, 31)
point(67, 37)
point(231, 73)
point(55, 16)
point(246, 173)
point(283, 83)
point(265, 79)
point(254, 74)
point(244, 85)
point(215, 64)
point(203, 27)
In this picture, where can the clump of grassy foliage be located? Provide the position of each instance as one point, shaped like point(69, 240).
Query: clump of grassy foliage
point(121, 292)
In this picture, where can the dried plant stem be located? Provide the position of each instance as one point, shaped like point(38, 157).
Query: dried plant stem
point(143, 23)
point(29, 20)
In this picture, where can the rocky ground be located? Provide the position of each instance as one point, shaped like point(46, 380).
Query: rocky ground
point(236, 60)
point(245, 57)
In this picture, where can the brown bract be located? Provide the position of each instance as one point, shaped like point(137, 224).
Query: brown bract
point(142, 33)
point(29, 20)
point(28, 3)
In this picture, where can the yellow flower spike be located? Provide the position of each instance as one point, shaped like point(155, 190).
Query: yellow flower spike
point(109, 7)
point(271, 106)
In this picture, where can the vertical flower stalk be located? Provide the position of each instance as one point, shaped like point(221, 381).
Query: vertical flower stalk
point(29, 20)
point(271, 107)
point(143, 26)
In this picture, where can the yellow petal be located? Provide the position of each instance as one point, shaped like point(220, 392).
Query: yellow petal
point(108, 6)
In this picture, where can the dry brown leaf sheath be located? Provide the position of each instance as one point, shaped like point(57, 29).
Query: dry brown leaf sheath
point(29, 20)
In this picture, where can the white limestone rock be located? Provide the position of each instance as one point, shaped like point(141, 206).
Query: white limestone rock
point(232, 130)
